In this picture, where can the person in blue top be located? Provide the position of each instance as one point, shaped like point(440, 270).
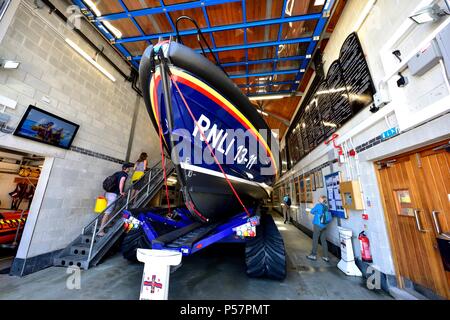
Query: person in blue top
point(322, 218)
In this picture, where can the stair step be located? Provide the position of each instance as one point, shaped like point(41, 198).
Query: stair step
point(71, 260)
point(81, 249)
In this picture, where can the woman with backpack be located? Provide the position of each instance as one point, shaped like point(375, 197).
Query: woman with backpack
point(322, 218)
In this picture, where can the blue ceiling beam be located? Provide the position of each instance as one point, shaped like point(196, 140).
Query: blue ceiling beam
point(225, 27)
point(263, 74)
point(163, 9)
point(243, 63)
point(244, 19)
point(269, 93)
point(280, 30)
point(321, 24)
point(264, 84)
point(253, 45)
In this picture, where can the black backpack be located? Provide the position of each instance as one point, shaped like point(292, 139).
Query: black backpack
point(110, 183)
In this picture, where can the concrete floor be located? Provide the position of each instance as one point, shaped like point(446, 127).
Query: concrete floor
point(216, 273)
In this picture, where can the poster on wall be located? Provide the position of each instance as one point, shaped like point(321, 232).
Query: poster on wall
point(332, 183)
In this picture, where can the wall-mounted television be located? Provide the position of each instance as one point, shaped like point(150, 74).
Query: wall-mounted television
point(42, 126)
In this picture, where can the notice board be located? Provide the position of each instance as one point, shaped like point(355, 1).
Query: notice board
point(334, 199)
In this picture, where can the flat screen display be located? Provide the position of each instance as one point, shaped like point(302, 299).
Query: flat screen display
point(45, 127)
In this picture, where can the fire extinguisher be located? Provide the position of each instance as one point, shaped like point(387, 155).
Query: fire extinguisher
point(365, 247)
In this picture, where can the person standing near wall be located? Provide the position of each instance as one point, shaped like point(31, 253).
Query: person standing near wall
point(111, 195)
point(322, 218)
point(287, 208)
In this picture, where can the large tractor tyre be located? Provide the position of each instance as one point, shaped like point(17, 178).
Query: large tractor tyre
point(133, 240)
point(265, 255)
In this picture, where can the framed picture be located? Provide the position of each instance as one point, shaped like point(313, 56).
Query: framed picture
point(44, 127)
point(302, 189)
point(313, 181)
point(319, 179)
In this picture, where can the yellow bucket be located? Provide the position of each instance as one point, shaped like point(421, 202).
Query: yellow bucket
point(100, 204)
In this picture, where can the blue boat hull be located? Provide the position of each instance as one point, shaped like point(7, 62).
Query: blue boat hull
point(203, 119)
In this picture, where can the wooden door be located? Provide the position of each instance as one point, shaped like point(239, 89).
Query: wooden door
point(413, 186)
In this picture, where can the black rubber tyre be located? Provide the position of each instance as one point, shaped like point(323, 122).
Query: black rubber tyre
point(133, 240)
point(265, 255)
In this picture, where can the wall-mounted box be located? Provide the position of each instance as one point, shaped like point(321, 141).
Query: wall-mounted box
point(351, 195)
point(425, 59)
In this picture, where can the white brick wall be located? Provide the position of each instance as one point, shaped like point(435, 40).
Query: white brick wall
point(79, 93)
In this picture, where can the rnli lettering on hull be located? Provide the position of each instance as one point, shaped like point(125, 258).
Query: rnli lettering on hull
point(216, 139)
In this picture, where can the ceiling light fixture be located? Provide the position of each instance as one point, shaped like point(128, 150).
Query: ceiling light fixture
point(9, 64)
point(428, 14)
point(116, 32)
point(93, 7)
point(262, 112)
point(89, 59)
point(269, 97)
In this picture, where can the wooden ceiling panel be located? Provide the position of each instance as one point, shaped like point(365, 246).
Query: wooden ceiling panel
point(227, 13)
point(262, 33)
point(170, 2)
point(261, 10)
point(136, 48)
point(229, 37)
point(232, 56)
point(260, 67)
point(240, 81)
point(299, 29)
point(195, 13)
point(335, 17)
point(288, 64)
point(108, 7)
point(303, 7)
point(142, 4)
point(154, 24)
point(235, 70)
point(282, 107)
point(283, 77)
point(288, 50)
point(191, 41)
point(261, 53)
point(126, 27)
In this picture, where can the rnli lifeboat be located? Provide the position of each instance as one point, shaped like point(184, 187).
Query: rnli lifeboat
point(223, 150)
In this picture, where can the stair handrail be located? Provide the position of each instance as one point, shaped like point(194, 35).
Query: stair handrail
point(148, 174)
point(125, 206)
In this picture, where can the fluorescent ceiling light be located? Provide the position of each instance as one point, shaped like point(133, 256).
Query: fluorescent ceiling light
point(262, 112)
point(330, 91)
point(269, 97)
point(88, 58)
point(428, 14)
point(93, 7)
point(116, 32)
point(9, 64)
point(319, 2)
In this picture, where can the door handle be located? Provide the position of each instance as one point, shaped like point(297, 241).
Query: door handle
point(436, 222)
point(418, 224)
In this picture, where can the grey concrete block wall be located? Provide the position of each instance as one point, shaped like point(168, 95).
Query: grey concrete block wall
point(80, 93)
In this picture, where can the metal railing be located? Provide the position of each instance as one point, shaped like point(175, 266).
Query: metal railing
point(135, 194)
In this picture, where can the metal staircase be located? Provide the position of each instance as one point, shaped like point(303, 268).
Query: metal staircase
point(88, 248)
